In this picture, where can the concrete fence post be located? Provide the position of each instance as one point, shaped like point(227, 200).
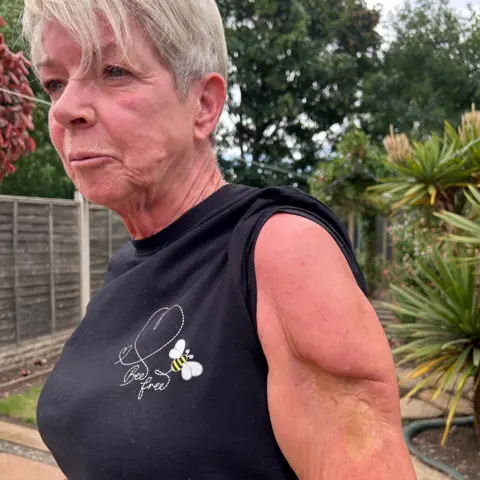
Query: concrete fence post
point(16, 288)
point(84, 237)
point(51, 250)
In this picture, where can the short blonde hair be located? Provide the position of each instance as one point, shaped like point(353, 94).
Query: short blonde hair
point(188, 34)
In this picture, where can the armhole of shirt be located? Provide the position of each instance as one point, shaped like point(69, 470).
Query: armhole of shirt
point(251, 290)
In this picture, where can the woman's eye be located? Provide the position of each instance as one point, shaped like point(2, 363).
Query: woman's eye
point(52, 86)
point(111, 71)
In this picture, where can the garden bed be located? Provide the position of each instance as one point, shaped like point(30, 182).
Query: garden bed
point(462, 450)
point(24, 382)
point(19, 393)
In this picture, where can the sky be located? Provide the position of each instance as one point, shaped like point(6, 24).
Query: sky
point(389, 5)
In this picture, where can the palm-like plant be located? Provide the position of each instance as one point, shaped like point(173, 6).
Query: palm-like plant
point(431, 173)
point(443, 336)
point(470, 228)
point(468, 132)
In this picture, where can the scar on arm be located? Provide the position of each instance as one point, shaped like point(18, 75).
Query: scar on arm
point(356, 410)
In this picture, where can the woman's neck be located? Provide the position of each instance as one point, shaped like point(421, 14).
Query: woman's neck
point(151, 212)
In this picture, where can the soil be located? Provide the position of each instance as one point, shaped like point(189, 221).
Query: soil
point(16, 421)
point(462, 450)
point(16, 373)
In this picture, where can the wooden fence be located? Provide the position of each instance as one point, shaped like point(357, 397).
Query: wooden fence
point(53, 256)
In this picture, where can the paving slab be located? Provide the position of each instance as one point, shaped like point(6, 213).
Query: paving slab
point(27, 452)
point(21, 435)
point(414, 409)
point(19, 468)
point(464, 407)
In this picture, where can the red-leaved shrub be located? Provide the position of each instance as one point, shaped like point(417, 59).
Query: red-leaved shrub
point(15, 111)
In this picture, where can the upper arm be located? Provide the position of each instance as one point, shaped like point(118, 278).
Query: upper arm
point(330, 365)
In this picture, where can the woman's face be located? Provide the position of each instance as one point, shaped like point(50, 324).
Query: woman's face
point(118, 131)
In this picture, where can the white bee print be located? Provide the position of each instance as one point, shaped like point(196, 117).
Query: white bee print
point(182, 361)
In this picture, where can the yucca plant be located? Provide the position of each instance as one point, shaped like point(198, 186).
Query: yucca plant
point(468, 132)
point(469, 227)
point(431, 173)
point(442, 337)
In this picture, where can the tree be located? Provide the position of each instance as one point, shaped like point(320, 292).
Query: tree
point(295, 71)
point(15, 110)
point(429, 73)
point(355, 166)
point(41, 173)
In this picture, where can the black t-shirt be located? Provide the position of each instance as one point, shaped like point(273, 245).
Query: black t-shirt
point(165, 378)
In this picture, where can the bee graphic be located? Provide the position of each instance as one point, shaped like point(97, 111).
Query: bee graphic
point(181, 361)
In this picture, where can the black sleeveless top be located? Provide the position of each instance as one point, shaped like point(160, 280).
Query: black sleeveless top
point(165, 378)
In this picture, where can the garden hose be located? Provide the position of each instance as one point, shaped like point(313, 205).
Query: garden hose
point(419, 426)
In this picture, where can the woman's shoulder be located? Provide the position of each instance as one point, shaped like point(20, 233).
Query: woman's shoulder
point(271, 201)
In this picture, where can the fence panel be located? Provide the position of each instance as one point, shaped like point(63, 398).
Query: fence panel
point(32, 271)
point(99, 247)
point(119, 232)
point(107, 234)
point(66, 241)
point(7, 273)
point(40, 263)
point(39, 268)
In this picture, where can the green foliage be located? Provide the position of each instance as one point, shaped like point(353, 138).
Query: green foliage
point(443, 334)
point(41, 173)
point(16, 107)
point(413, 238)
point(296, 70)
point(428, 73)
point(433, 174)
point(22, 407)
point(371, 264)
point(343, 180)
point(469, 228)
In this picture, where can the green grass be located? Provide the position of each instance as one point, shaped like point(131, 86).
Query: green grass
point(21, 407)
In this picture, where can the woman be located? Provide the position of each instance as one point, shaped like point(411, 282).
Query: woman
point(232, 338)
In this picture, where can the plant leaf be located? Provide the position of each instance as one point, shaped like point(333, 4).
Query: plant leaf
point(459, 390)
point(476, 357)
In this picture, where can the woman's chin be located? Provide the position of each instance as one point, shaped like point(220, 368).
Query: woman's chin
point(109, 196)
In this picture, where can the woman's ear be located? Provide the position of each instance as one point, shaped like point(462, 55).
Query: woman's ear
point(211, 100)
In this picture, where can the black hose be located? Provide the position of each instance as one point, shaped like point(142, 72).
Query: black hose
point(419, 426)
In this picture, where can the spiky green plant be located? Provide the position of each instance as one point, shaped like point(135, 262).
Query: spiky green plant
point(469, 227)
point(429, 174)
point(443, 336)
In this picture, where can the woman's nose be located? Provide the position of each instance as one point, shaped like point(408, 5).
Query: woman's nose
point(75, 107)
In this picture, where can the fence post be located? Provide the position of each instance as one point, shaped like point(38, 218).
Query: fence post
point(110, 235)
point(16, 287)
point(385, 242)
point(53, 312)
point(351, 226)
point(84, 237)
